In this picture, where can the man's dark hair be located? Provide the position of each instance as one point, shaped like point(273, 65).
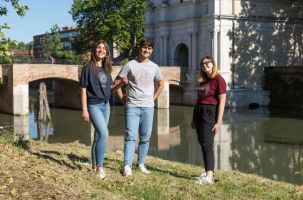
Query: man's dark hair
point(147, 42)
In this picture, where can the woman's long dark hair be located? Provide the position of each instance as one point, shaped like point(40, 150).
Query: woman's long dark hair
point(106, 62)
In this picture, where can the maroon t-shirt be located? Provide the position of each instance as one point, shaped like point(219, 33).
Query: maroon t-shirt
point(207, 92)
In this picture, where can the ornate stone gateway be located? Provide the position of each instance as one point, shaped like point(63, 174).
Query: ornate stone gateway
point(243, 37)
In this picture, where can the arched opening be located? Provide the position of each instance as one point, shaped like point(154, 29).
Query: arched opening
point(61, 92)
point(175, 94)
point(181, 59)
point(66, 125)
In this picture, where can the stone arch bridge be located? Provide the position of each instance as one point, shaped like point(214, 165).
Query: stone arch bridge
point(15, 79)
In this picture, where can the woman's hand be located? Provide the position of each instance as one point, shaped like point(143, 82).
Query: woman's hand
point(216, 127)
point(124, 80)
point(85, 116)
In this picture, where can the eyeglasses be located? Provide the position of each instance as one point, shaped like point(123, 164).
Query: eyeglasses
point(205, 62)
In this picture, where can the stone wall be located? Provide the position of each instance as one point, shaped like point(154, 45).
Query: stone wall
point(6, 103)
point(67, 94)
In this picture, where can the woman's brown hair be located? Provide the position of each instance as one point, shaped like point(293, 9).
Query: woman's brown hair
point(107, 61)
point(202, 75)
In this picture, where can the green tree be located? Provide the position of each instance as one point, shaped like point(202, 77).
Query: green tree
point(23, 46)
point(118, 21)
point(6, 42)
point(52, 45)
point(295, 6)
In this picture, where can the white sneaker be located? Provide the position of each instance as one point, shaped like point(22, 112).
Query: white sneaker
point(205, 180)
point(201, 175)
point(102, 174)
point(143, 169)
point(127, 170)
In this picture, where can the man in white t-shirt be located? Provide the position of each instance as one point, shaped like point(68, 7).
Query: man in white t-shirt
point(141, 93)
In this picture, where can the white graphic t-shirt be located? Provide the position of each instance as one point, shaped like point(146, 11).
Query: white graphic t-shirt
point(141, 78)
point(102, 78)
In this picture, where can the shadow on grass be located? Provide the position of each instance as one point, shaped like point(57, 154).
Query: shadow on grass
point(49, 155)
point(50, 158)
point(76, 159)
point(175, 173)
point(152, 167)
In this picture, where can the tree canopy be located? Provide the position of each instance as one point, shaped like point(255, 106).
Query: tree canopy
point(53, 47)
point(116, 21)
point(51, 42)
point(6, 42)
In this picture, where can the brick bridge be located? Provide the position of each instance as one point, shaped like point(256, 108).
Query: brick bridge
point(15, 79)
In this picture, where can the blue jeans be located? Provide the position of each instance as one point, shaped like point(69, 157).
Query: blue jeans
point(137, 120)
point(99, 116)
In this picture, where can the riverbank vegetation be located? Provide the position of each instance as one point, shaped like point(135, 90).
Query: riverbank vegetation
point(37, 170)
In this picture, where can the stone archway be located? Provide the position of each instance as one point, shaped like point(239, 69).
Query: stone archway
point(181, 56)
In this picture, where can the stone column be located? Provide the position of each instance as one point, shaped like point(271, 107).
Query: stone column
point(190, 51)
point(20, 99)
point(165, 38)
point(21, 126)
point(163, 100)
point(161, 51)
point(223, 147)
point(194, 51)
point(163, 134)
point(215, 44)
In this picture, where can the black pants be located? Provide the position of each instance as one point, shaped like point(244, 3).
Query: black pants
point(205, 119)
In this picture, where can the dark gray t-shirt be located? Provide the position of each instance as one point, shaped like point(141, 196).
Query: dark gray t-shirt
point(141, 77)
point(98, 84)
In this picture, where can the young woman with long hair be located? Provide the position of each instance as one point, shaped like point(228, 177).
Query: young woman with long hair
point(96, 87)
point(208, 113)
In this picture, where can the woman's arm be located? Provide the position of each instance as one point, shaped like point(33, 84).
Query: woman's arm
point(85, 115)
point(221, 106)
point(118, 83)
point(118, 89)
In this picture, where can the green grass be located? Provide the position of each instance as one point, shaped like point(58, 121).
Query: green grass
point(61, 171)
point(15, 140)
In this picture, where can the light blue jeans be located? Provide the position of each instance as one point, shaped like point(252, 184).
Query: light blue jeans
point(137, 120)
point(99, 116)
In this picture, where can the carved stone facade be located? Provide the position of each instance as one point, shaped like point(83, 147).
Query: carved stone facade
point(243, 36)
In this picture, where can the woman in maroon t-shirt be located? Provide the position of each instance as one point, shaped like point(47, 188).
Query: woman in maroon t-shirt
point(208, 113)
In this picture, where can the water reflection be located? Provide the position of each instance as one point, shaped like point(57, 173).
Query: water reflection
point(251, 141)
point(44, 130)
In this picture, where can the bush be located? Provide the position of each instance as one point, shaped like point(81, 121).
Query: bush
point(285, 89)
point(6, 59)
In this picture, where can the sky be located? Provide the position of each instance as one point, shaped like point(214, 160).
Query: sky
point(39, 19)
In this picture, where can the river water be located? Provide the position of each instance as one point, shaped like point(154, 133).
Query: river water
point(269, 144)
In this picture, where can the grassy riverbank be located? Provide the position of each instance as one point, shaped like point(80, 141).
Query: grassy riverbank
point(36, 170)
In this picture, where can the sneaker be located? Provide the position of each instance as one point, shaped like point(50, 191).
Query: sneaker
point(201, 175)
point(102, 174)
point(127, 170)
point(205, 180)
point(143, 169)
